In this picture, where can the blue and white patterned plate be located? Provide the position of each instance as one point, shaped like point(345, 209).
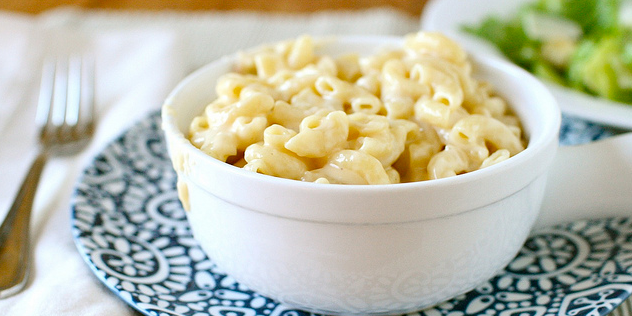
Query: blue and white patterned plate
point(132, 231)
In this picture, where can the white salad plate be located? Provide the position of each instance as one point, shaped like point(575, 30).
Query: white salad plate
point(132, 231)
point(449, 16)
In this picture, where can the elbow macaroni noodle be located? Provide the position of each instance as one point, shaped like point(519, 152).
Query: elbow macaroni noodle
point(408, 114)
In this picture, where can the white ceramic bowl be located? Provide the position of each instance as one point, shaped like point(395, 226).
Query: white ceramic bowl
point(349, 249)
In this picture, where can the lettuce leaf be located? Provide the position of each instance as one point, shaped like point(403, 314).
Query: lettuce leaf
point(601, 66)
point(509, 37)
point(594, 16)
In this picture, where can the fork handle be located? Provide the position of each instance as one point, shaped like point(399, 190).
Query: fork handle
point(15, 252)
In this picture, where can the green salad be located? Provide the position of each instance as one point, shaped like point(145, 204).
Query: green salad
point(582, 44)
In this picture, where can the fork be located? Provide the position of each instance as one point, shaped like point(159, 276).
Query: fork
point(65, 119)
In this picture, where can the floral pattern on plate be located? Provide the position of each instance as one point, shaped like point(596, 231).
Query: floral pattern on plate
point(132, 231)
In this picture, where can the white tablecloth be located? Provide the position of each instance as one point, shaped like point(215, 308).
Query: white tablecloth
point(140, 58)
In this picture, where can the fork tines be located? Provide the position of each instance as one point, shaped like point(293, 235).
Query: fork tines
point(65, 106)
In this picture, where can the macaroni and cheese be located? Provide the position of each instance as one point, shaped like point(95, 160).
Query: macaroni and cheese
point(408, 114)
